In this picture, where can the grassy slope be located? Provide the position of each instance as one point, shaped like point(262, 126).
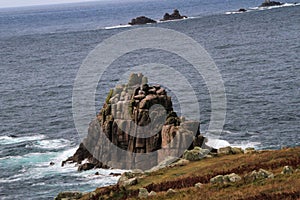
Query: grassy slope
point(183, 179)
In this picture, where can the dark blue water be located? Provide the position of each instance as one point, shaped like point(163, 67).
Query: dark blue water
point(42, 48)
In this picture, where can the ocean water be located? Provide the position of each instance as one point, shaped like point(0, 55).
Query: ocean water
point(42, 48)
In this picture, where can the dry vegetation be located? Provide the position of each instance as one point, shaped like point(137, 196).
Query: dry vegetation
point(183, 179)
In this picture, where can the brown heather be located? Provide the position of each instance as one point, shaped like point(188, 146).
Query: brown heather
point(183, 179)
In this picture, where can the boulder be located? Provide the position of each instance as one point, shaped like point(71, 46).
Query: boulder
point(141, 20)
point(219, 179)
point(143, 193)
point(195, 154)
point(287, 170)
point(171, 191)
point(229, 178)
point(129, 182)
point(69, 195)
point(85, 166)
point(152, 193)
point(230, 150)
point(199, 185)
point(258, 175)
point(233, 177)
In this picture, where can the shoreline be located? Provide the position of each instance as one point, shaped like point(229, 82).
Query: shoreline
point(193, 179)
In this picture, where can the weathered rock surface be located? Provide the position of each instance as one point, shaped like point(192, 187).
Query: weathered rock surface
point(225, 179)
point(195, 154)
point(69, 195)
point(141, 20)
point(173, 16)
point(143, 193)
point(127, 109)
point(230, 150)
point(258, 175)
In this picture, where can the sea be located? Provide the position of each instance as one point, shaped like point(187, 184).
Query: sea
point(42, 48)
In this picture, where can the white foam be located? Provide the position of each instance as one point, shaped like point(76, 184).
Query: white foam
point(234, 12)
point(50, 144)
point(217, 143)
point(246, 144)
point(118, 26)
point(13, 140)
point(264, 8)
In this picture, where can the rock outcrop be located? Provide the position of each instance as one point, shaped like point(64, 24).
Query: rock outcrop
point(229, 178)
point(141, 20)
point(173, 16)
point(133, 110)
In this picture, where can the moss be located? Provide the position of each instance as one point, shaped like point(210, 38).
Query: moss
point(111, 91)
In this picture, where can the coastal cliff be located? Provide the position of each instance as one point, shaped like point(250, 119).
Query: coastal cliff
point(248, 175)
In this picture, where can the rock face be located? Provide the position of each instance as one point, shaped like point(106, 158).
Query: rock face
point(173, 16)
point(141, 20)
point(130, 110)
point(270, 3)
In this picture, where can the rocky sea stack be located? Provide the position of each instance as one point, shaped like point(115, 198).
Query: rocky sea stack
point(131, 110)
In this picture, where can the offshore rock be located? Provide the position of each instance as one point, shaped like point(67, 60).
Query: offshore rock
point(173, 16)
point(128, 108)
point(141, 20)
point(270, 3)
